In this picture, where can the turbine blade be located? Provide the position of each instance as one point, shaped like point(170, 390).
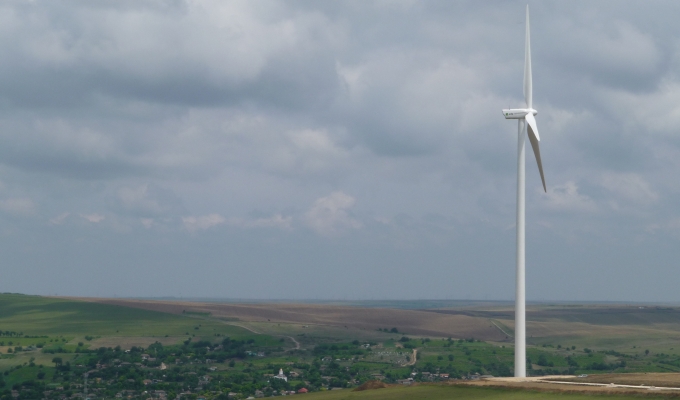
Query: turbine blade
point(532, 131)
point(527, 66)
point(531, 121)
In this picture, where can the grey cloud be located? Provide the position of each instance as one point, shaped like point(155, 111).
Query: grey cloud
point(187, 54)
point(273, 141)
point(613, 53)
point(147, 200)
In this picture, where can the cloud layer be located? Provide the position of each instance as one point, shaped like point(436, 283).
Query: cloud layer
point(301, 149)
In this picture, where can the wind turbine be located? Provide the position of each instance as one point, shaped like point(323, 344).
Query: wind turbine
point(527, 126)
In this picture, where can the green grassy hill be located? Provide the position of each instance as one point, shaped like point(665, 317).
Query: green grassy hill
point(35, 315)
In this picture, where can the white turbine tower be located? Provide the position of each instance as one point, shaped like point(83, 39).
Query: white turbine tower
point(527, 125)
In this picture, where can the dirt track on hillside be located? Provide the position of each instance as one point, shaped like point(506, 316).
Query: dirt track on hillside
point(661, 379)
point(653, 382)
point(414, 322)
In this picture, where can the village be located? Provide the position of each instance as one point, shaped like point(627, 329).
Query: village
point(223, 369)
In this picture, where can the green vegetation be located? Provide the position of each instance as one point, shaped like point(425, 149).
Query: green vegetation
point(34, 315)
point(446, 392)
point(200, 314)
point(47, 345)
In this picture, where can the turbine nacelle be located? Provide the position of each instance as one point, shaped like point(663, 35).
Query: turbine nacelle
point(518, 113)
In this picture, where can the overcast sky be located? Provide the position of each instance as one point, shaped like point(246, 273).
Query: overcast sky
point(337, 150)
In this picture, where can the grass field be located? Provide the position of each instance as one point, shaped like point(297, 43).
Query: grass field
point(62, 324)
point(43, 316)
point(644, 334)
point(629, 329)
point(336, 344)
point(445, 392)
point(599, 327)
point(413, 322)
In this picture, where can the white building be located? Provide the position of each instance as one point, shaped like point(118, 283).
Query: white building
point(281, 375)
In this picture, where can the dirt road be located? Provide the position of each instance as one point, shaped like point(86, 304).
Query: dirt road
point(297, 344)
point(414, 358)
point(568, 383)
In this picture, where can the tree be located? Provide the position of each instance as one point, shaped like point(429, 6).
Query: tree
point(57, 361)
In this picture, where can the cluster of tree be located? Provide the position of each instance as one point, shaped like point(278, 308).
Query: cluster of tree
point(12, 334)
point(29, 390)
point(407, 343)
point(393, 330)
point(341, 350)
